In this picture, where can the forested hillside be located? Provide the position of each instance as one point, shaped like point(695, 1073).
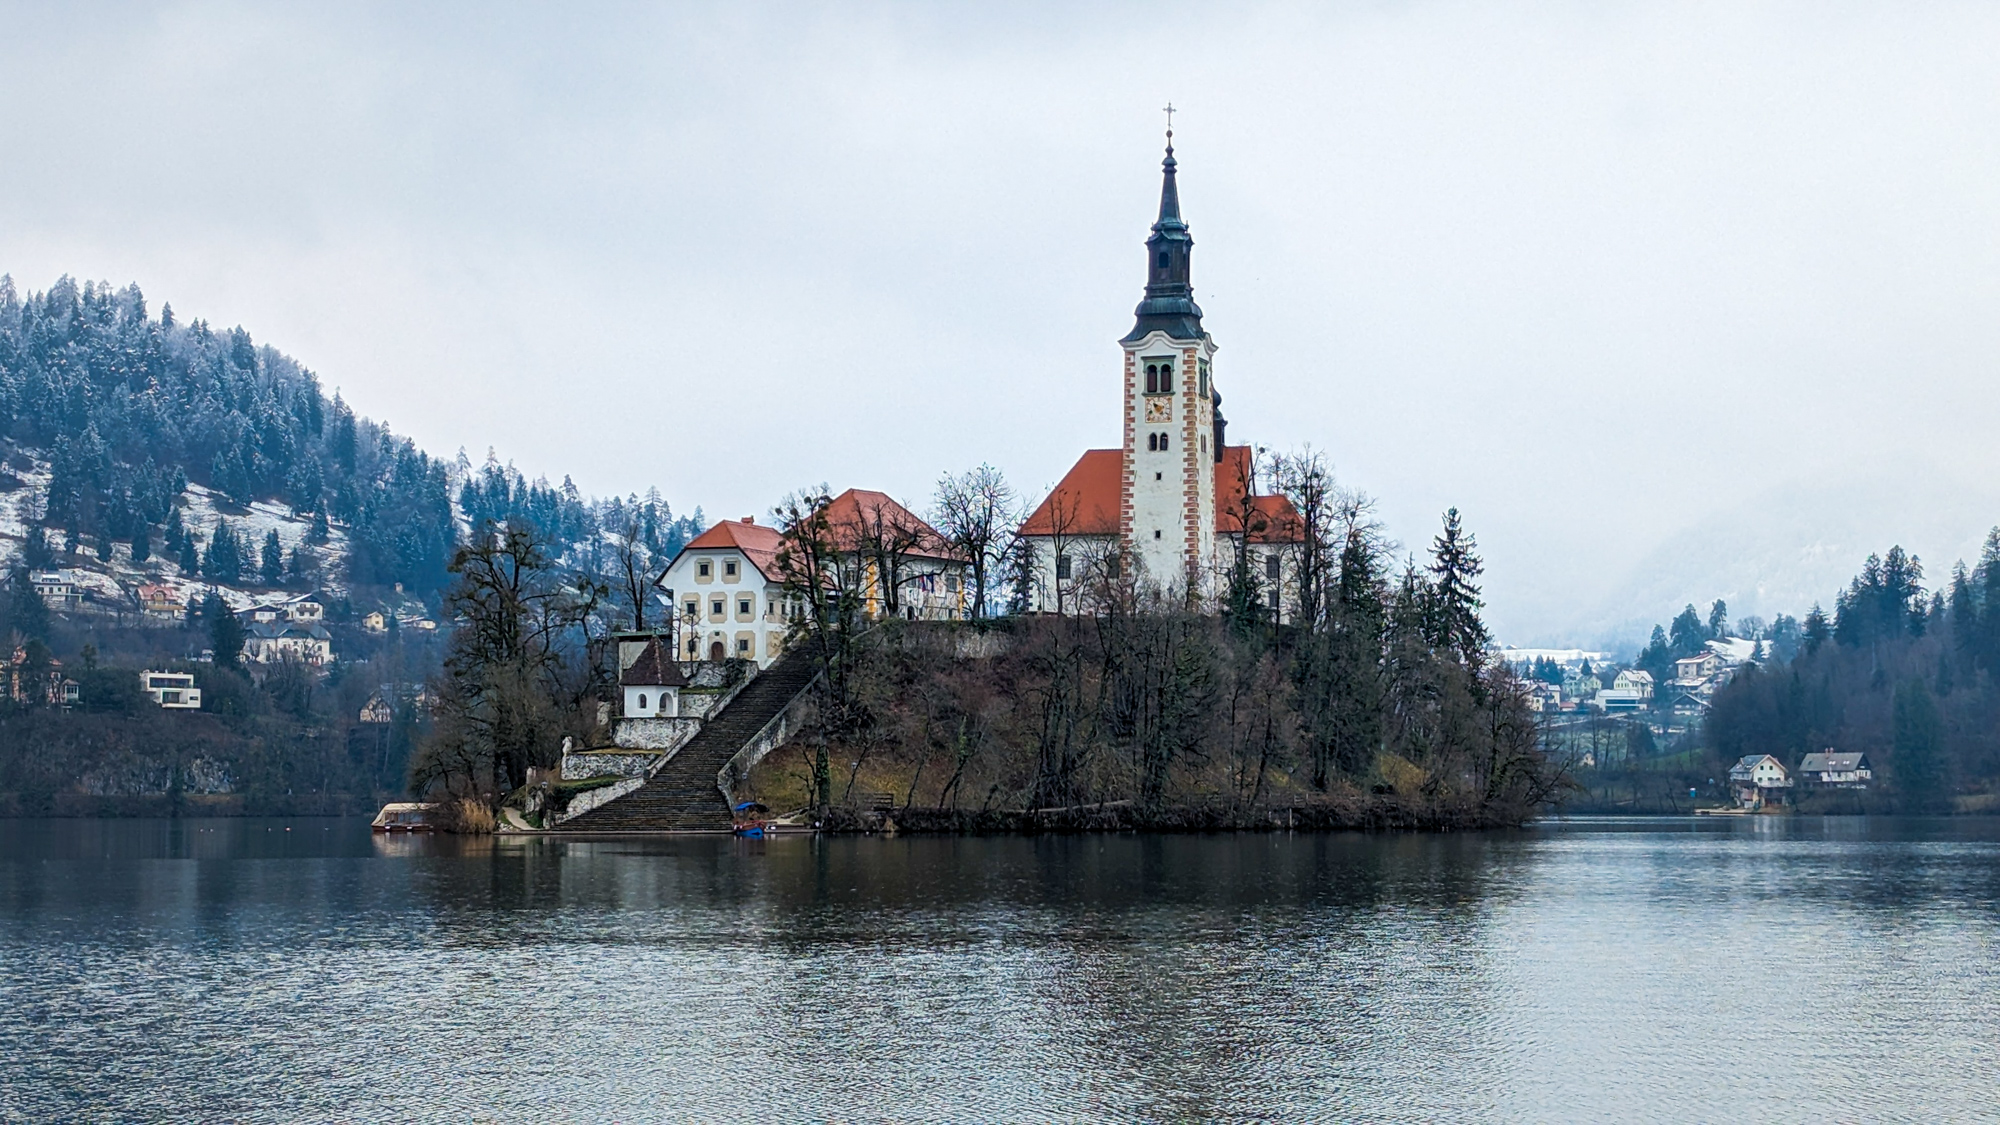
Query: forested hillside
point(143, 452)
point(127, 408)
point(1907, 675)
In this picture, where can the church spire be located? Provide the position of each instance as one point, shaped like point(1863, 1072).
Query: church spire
point(1170, 195)
point(1169, 305)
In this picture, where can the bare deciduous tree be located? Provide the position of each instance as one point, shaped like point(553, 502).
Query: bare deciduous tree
point(977, 512)
point(520, 670)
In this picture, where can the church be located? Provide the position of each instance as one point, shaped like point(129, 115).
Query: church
point(1175, 503)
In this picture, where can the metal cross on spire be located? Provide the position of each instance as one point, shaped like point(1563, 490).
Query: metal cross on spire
point(1169, 111)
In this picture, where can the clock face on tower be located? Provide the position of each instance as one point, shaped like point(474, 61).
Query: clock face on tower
point(1159, 410)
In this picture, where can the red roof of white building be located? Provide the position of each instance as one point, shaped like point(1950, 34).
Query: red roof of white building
point(1087, 499)
point(758, 543)
point(851, 517)
point(855, 515)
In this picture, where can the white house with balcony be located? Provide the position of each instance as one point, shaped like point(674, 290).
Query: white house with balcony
point(56, 589)
point(174, 691)
point(1759, 780)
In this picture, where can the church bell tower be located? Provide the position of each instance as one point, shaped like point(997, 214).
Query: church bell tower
point(1172, 424)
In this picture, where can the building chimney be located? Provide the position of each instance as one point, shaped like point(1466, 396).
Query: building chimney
point(749, 519)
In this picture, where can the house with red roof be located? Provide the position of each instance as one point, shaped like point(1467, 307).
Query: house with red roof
point(728, 585)
point(1174, 506)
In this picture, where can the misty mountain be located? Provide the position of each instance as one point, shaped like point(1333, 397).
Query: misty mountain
point(1782, 549)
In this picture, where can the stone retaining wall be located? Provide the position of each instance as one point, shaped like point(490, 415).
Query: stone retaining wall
point(598, 763)
point(661, 735)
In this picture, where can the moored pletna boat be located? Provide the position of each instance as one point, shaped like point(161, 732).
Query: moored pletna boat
point(406, 816)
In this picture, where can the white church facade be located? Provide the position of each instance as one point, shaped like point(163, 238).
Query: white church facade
point(1174, 504)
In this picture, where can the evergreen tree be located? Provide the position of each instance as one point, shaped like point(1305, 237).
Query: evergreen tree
point(225, 555)
point(1657, 658)
point(272, 569)
point(1919, 748)
point(225, 632)
point(1984, 624)
point(35, 553)
point(320, 532)
point(1455, 604)
point(142, 543)
point(344, 441)
point(26, 613)
point(303, 564)
point(1718, 619)
point(190, 556)
point(174, 537)
point(1687, 633)
point(1817, 631)
point(1785, 635)
point(1359, 632)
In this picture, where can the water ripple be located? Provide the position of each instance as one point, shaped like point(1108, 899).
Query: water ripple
point(1627, 971)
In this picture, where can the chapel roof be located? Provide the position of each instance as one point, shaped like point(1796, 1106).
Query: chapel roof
point(653, 668)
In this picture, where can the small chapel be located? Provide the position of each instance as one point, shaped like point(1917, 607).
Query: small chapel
point(1174, 503)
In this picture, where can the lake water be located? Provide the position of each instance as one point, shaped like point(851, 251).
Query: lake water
point(305, 970)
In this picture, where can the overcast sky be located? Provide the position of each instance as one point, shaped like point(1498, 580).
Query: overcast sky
point(1629, 286)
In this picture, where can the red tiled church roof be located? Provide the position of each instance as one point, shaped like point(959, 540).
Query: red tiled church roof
point(1272, 519)
point(1087, 499)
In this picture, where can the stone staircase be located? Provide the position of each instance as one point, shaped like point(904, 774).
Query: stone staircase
point(686, 794)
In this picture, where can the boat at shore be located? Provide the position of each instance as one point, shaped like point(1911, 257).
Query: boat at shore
point(406, 816)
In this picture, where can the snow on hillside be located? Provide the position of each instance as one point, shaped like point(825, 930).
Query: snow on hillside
point(115, 582)
point(20, 508)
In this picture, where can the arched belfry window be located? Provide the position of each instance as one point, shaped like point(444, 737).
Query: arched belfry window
point(1159, 377)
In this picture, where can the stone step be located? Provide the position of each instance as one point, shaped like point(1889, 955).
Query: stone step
point(685, 794)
